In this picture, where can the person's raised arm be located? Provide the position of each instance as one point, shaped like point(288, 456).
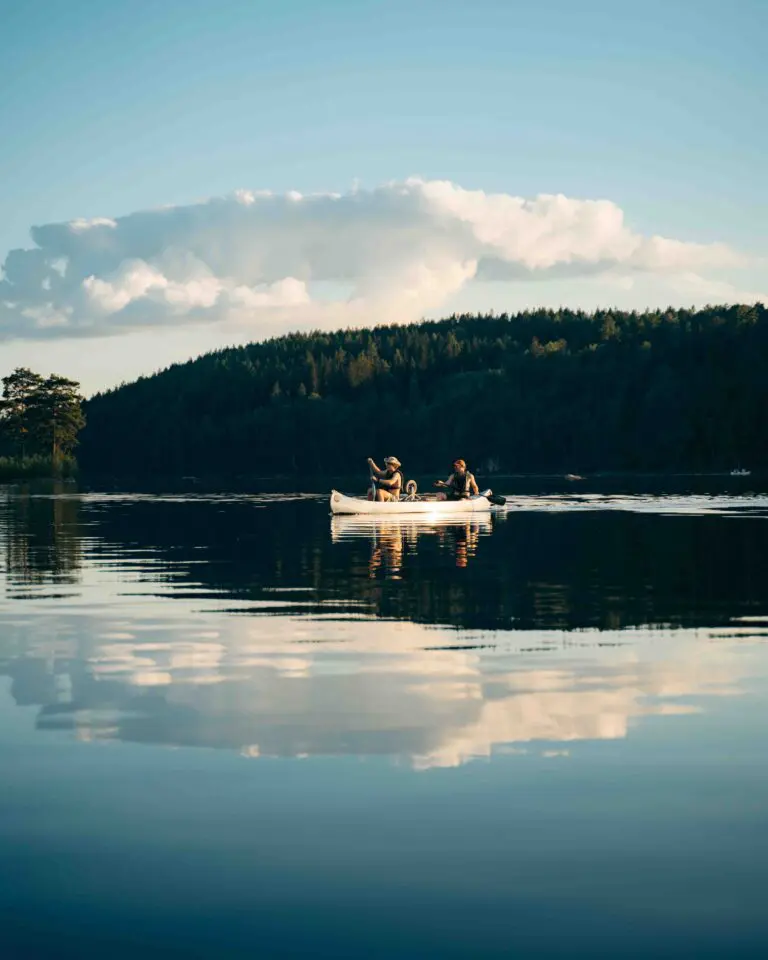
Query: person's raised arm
point(374, 469)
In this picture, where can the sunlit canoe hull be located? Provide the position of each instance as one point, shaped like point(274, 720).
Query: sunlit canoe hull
point(433, 508)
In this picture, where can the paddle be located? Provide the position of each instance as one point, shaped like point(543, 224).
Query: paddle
point(493, 498)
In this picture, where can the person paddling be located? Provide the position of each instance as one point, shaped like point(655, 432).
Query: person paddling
point(389, 481)
point(460, 485)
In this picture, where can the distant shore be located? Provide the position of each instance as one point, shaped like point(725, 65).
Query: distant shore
point(528, 484)
point(36, 468)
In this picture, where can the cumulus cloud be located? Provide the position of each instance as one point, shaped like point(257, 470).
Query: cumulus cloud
point(259, 259)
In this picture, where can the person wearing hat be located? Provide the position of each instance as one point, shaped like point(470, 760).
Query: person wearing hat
point(389, 481)
point(460, 485)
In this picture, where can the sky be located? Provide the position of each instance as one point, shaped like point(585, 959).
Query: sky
point(181, 175)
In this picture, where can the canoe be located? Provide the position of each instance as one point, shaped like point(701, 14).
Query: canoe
point(431, 507)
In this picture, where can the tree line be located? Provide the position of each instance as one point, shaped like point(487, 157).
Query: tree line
point(40, 419)
point(560, 390)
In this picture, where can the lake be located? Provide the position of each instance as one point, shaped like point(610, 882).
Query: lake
point(231, 726)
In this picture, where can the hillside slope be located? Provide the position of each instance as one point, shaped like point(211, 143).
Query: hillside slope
point(545, 390)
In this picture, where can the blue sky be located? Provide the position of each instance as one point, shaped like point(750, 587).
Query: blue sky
point(111, 108)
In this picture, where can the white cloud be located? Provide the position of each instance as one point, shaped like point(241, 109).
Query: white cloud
point(78, 226)
point(284, 293)
point(134, 279)
point(46, 316)
point(137, 280)
point(256, 259)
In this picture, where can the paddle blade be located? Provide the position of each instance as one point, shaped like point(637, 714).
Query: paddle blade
point(496, 500)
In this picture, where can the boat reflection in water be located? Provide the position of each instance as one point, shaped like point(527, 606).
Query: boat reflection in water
point(394, 540)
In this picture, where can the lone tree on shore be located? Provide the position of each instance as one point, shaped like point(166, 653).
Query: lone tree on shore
point(40, 415)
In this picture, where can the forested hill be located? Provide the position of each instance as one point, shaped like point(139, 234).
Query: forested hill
point(545, 390)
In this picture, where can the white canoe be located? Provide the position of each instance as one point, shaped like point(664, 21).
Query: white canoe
point(387, 508)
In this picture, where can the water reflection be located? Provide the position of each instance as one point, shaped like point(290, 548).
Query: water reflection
point(41, 537)
point(392, 540)
point(550, 566)
point(557, 713)
point(241, 623)
point(285, 687)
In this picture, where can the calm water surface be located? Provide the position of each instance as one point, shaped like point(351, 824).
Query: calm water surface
point(231, 726)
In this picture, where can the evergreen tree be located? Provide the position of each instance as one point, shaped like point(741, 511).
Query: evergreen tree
point(17, 409)
point(57, 415)
point(40, 416)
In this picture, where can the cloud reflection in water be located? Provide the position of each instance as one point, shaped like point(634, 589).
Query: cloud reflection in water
point(141, 644)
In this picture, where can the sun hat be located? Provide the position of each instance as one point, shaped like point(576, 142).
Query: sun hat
point(393, 460)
